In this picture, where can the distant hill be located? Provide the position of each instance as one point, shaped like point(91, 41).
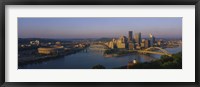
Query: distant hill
point(104, 39)
point(43, 40)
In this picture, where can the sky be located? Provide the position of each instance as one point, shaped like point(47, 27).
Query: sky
point(71, 28)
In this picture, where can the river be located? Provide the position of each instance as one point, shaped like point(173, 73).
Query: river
point(88, 58)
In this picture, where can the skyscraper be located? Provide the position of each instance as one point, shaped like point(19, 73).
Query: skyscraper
point(122, 42)
point(146, 44)
point(130, 36)
point(137, 38)
point(131, 46)
point(152, 40)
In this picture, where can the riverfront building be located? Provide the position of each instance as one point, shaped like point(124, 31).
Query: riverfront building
point(55, 49)
point(111, 45)
point(122, 42)
point(46, 50)
point(50, 50)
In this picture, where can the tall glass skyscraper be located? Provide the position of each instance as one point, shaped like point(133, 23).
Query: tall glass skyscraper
point(130, 36)
point(152, 39)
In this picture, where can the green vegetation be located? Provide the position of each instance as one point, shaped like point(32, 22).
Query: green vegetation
point(117, 52)
point(165, 62)
point(110, 51)
point(98, 67)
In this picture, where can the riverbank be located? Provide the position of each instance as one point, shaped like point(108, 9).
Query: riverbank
point(165, 62)
point(118, 53)
point(42, 58)
point(87, 59)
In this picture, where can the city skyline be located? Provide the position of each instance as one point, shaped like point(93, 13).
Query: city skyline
point(34, 51)
point(98, 27)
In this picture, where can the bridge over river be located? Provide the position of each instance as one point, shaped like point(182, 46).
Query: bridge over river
point(150, 50)
point(153, 50)
point(98, 46)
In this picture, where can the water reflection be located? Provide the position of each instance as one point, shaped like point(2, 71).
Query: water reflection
point(87, 58)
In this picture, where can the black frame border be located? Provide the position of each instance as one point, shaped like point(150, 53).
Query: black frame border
point(98, 2)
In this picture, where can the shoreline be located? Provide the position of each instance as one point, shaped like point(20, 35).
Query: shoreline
point(40, 60)
point(31, 60)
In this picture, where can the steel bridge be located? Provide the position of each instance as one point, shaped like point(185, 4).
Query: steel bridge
point(151, 50)
point(98, 46)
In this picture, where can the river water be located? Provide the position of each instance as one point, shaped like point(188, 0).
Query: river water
point(88, 58)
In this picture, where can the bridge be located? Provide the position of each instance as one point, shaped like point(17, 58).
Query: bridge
point(98, 46)
point(151, 50)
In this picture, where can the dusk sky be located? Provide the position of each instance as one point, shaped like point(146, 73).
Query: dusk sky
point(99, 27)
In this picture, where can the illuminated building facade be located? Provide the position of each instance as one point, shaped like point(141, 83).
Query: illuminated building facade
point(152, 40)
point(55, 49)
point(49, 50)
point(131, 44)
point(147, 43)
point(122, 42)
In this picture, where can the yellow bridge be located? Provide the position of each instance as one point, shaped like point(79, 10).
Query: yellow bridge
point(150, 51)
point(98, 46)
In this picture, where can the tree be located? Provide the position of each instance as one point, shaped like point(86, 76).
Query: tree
point(165, 62)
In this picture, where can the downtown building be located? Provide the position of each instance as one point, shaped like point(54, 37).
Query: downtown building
point(56, 49)
point(131, 44)
point(138, 38)
point(121, 43)
point(152, 40)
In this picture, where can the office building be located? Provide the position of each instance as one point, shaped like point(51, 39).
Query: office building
point(130, 36)
point(131, 46)
point(147, 44)
point(122, 42)
point(137, 38)
point(50, 50)
point(152, 40)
